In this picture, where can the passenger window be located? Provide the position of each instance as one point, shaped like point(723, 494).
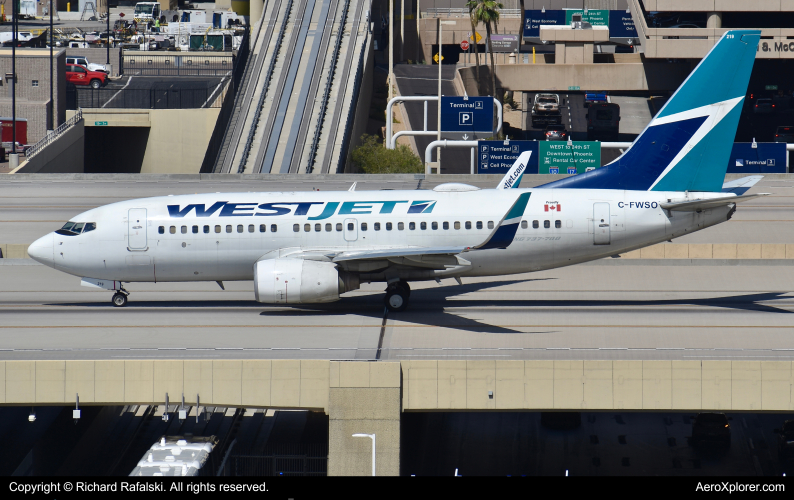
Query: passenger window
point(171, 230)
point(412, 226)
point(251, 228)
point(217, 229)
point(377, 226)
point(184, 229)
point(446, 225)
point(318, 227)
point(273, 228)
point(479, 224)
point(423, 225)
point(400, 226)
point(307, 228)
point(457, 225)
point(239, 228)
point(262, 228)
point(228, 228)
point(490, 224)
point(558, 224)
point(546, 224)
point(363, 226)
point(296, 228)
point(328, 228)
point(195, 229)
point(434, 225)
point(89, 226)
point(535, 224)
point(161, 229)
point(350, 226)
point(468, 224)
point(524, 224)
point(206, 229)
point(388, 226)
point(339, 226)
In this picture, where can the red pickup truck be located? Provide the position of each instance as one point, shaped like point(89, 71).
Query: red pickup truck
point(80, 75)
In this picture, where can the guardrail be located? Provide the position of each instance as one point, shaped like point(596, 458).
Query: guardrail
point(49, 138)
point(464, 12)
point(178, 64)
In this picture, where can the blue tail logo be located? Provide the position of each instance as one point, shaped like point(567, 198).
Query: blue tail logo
point(686, 147)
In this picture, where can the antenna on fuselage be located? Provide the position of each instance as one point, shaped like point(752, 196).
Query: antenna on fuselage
point(353, 187)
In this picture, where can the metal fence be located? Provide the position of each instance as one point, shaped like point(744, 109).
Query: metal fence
point(188, 64)
point(279, 460)
point(464, 12)
point(151, 98)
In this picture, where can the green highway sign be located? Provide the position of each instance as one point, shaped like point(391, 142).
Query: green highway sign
point(574, 87)
point(596, 17)
point(770, 87)
point(557, 157)
point(100, 124)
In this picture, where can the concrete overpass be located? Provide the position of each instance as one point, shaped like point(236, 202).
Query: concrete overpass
point(368, 397)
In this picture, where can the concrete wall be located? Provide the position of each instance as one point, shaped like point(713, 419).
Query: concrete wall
point(718, 5)
point(62, 156)
point(33, 88)
point(598, 385)
point(178, 138)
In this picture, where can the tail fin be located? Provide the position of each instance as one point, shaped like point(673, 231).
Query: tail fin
point(513, 176)
point(686, 147)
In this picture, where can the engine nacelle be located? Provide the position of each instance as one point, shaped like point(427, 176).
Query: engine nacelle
point(297, 281)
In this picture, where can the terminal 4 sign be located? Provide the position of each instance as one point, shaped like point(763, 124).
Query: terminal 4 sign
point(496, 157)
point(467, 117)
point(557, 157)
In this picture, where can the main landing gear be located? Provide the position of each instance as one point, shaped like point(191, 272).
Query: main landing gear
point(397, 295)
point(120, 298)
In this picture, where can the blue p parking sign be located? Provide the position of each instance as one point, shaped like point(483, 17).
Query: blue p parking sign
point(471, 117)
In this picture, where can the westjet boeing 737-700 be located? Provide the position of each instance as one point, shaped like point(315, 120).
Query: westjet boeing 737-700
point(310, 247)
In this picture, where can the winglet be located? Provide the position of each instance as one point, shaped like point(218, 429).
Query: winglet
point(505, 231)
point(513, 176)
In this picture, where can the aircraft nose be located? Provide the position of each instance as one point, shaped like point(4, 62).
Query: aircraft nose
point(41, 250)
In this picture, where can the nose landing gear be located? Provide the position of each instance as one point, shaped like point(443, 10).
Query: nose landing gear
point(397, 295)
point(120, 298)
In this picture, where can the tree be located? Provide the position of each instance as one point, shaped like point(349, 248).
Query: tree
point(372, 158)
point(487, 12)
point(472, 4)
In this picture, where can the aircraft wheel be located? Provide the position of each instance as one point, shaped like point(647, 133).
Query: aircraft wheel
point(404, 286)
point(119, 299)
point(396, 300)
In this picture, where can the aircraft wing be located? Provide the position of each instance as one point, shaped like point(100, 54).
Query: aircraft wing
point(741, 186)
point(439, 257)
point(698, 205)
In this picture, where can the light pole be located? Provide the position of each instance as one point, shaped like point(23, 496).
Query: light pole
point(371, 436)
point(51, 120)
point(107, 3)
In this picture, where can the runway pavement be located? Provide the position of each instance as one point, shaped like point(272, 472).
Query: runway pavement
point(582, 312)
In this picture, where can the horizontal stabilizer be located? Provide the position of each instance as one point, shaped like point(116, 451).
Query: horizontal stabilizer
point(741, 186)
point(698, 205)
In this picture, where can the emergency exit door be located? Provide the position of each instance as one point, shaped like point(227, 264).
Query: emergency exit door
point(601, 224)
point(351, 229)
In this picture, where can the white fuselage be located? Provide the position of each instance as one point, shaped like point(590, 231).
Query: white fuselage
point(141, 241)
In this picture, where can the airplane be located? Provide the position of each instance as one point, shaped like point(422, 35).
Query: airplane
point(310, 247)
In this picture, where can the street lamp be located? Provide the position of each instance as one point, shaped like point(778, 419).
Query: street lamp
point(371, 436)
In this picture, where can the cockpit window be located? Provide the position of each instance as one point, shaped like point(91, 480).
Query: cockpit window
point(75, 228)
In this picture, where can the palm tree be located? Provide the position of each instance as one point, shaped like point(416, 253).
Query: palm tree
point(472, 5)
point(487, 12)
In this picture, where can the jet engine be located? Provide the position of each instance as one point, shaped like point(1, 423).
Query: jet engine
point(297, 281)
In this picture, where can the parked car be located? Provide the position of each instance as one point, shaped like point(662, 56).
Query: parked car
point(80, 75)
point(82, 61)
point(763, 106)
point(785, 441)
point(556, 133)
point(711, 428)
point(784, 134)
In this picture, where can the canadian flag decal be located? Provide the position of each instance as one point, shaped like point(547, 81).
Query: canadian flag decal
point(556, 207)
